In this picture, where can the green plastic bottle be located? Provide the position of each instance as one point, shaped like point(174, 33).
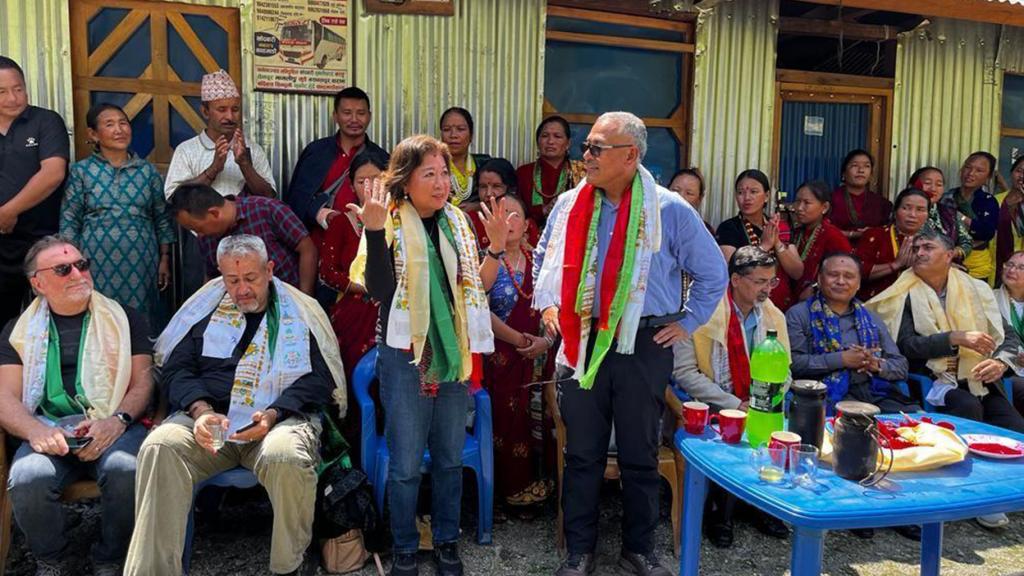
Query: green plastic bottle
point(769, 371)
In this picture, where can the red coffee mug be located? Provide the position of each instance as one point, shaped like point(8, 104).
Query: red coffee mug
point(730, 425)
point(695, 417)
point(784, 439)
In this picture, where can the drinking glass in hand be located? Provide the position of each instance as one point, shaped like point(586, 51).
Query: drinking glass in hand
point(803, 464)
point(217, 433)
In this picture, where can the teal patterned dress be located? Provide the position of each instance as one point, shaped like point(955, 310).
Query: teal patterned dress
point(119, 217)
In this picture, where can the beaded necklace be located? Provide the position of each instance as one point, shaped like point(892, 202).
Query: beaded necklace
point(748, 228)
point(539, 197)
point(512, 274)
point(462, 184)
point(810, 241)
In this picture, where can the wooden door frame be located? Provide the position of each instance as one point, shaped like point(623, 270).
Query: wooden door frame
point(158, 83)
point(800, 86)
point(679, 121)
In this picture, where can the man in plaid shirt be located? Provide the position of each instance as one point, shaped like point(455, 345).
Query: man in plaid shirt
point(201, 209)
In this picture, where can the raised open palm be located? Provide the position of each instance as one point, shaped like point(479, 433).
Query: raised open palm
point(374, 211)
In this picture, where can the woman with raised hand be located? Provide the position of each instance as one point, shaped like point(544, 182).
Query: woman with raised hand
point(418, 259)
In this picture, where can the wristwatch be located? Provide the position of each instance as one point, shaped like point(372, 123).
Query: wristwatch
point(125, 418)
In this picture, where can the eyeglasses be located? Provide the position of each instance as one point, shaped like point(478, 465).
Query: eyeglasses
point(596, 149)
point(63, 270)
point(761, 282)
point(1013, 266)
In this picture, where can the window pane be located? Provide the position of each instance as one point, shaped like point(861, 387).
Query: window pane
point(561, 24)
point(591, 79)
point(1013, 101)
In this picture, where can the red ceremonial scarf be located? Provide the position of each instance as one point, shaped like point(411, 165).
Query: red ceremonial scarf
point(576, 236)
point(739, 362)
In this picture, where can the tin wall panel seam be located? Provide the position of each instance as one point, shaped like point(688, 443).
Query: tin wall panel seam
point(36, 35)
point(487, 58)
point(734, 97)
point(947, 97)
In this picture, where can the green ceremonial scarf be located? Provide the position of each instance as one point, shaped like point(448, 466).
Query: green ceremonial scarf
point(56, 402)
point(445, 360)
point(605, 336)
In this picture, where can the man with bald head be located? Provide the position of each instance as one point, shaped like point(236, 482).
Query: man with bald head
point(608, 279)
point(248, 363)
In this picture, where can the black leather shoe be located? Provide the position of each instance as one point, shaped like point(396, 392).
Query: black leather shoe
point(446, 559)
point(404, 565)
point(577, 565)
point(720, 534)
point(769, 525)
point(910, 532)
point(863, 533)
point(642, 564)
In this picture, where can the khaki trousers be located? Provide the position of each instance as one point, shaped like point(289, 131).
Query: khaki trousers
point(171, 464)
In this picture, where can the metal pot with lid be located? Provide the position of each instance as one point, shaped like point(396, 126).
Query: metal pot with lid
point(857, 451)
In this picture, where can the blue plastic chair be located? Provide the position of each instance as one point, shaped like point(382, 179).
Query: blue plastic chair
point(478, 452)
point(234, 478)
point(925, 385)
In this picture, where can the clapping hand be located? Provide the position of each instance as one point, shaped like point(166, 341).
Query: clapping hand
point(374, 211)
point(905, 256)
point(770, 234)
point(496, 222)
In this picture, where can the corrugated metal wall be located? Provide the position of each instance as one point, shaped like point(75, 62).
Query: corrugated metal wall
point(488, 58)
point(805, 157)
point(948, 98)
point(36, 35)
point(734, 97)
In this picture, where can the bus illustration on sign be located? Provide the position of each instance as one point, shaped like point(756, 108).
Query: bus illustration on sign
point(306, 40)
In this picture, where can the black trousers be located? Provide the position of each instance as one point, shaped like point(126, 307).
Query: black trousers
point(629, 391)
point(993, 408)
point(14, 287)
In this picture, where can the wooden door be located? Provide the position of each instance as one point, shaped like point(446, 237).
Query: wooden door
point(149, 58)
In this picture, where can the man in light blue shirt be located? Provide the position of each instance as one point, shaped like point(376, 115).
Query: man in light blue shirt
point(622, 382)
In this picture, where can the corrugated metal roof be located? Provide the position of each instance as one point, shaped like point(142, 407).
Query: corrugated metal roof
point(733, 97)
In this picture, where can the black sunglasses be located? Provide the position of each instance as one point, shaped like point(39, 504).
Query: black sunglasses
point(63, 270)
point(596, 149)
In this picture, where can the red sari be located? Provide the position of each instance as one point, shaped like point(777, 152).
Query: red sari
point(518, 435)
point(550, 190)
point(876, 249)
point(852, 211)
point(812, 247)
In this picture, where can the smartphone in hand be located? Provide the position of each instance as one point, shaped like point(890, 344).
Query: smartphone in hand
point(78, 442)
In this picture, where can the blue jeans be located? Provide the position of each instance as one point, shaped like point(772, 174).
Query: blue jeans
point(37, 481)
point(412, 423)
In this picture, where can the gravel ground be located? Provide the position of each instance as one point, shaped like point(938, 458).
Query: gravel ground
point(237, 543)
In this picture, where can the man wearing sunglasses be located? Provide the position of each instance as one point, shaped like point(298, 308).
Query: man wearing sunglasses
point(609, 280)
point(74, 379)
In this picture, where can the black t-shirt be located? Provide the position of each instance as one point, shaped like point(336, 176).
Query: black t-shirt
point(732, 233)
point(36, 135)
point(69, 333)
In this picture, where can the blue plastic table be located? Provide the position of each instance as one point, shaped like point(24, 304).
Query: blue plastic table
point(971, 488)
